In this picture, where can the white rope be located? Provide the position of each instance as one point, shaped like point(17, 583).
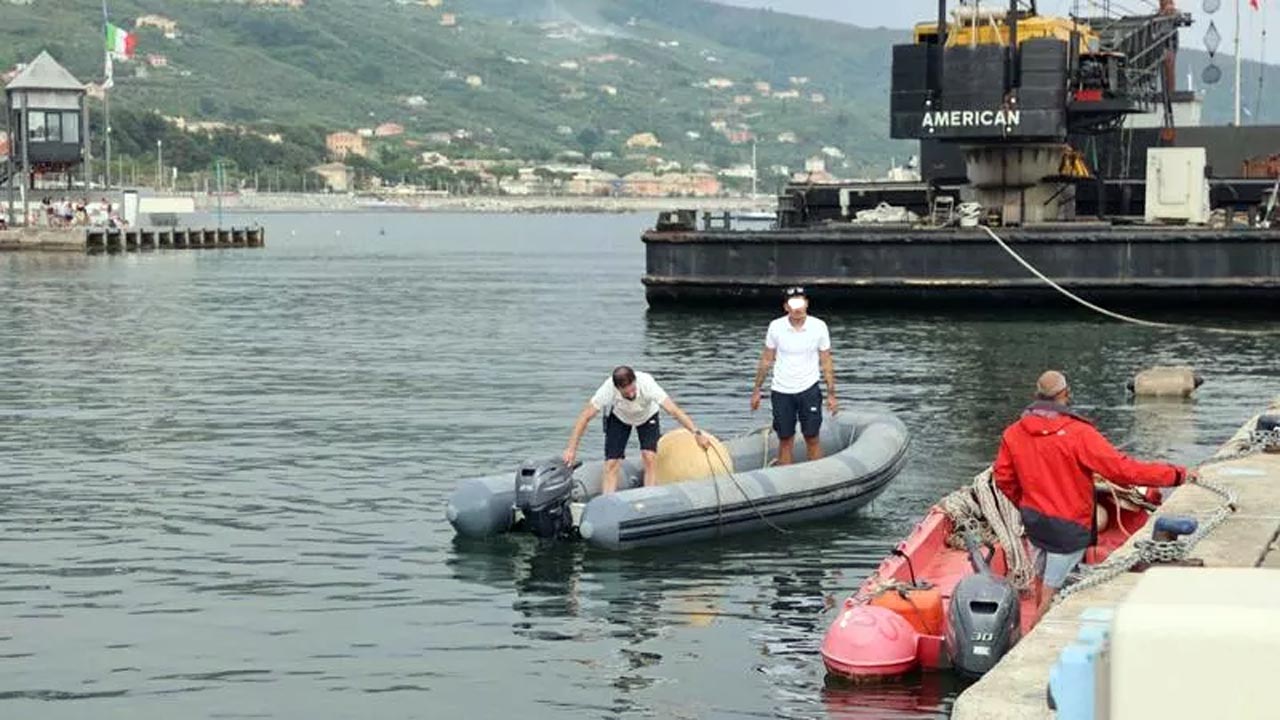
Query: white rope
point(1115, 315)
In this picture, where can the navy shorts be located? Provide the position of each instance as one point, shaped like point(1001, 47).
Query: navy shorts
point(617, 433)
point(804, 406)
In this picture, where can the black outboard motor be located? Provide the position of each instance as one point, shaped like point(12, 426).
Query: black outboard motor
point(984, 618)
point(543, 491)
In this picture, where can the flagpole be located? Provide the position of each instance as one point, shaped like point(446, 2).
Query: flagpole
point(106, 104)
point(106, 93)
point(1237, 51)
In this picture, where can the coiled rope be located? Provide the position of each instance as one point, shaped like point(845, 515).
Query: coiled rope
point(983, 508)
point(1109, 313)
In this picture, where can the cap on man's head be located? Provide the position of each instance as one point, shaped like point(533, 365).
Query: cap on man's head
point(794, 291)
point(1051, 384)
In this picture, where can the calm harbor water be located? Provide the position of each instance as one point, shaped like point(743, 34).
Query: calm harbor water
point(223, 474)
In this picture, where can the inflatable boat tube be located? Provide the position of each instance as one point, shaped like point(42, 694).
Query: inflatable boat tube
point(862, 452)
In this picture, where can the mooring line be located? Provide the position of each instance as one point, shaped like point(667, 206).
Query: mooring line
point(1112, 314)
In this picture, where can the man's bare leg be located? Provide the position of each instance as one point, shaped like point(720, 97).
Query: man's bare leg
point(610, 482)
point(813, 447)
point(650, 459)
point(785, 452)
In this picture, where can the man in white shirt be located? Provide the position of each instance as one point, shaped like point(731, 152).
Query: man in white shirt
point(629, 399)
point(799, 343)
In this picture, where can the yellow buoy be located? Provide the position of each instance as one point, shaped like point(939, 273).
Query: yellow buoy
point(680, 458)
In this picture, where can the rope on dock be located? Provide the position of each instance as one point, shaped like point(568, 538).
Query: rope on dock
point(1151, 551)
point(1109, 313)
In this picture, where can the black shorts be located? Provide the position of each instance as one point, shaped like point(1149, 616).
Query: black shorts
point(804, 406)
point(617, 433)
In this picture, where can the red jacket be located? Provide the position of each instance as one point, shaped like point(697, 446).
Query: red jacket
point(1046, 464)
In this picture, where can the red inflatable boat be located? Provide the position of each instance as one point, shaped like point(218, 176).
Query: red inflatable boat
point(904, 616)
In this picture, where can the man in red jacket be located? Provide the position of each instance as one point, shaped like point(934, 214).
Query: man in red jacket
point(1046, 464)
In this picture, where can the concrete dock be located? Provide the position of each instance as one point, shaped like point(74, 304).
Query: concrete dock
point(1247, 539)
point(100, 240)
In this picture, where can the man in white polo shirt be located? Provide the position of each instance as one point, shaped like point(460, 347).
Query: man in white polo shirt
point(629, 399)
point(799, 343)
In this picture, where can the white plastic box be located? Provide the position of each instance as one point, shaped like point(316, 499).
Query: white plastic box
point(1200, 643)
point(1177, 189)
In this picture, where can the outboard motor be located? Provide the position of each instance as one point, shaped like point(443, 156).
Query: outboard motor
point(984, 617)
point(543, 491)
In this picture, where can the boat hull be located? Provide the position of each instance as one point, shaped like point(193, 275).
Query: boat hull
point(863, 453)
point(903, 266)
point(855, 646)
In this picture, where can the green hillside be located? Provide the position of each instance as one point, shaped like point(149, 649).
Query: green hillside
point(523, 78)
point(604, 70)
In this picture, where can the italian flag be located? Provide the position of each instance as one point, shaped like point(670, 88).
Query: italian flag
point(119, 42)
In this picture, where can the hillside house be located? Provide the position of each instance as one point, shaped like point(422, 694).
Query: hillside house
point(593, 182)
point(431, 158)
point(643, 140)
point(388, 129)
point(815, 171)
point(166, 26)
point(690, 185)
point(342, 144)
point(741, 171)
point(642, 184)
point(336, 176)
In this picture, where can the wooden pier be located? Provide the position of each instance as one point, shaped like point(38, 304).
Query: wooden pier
point(103, 240)
point(114, 241)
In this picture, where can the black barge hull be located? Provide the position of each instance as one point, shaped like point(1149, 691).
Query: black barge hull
point(1114, 265)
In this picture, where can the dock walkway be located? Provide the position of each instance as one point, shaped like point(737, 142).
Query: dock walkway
point(99, 240)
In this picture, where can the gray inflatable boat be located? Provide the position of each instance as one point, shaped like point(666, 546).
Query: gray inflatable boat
point(862, 452)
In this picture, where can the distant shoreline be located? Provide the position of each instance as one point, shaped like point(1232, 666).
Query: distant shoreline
point(317, 202)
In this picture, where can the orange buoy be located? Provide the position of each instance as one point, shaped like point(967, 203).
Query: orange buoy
point(920, 606)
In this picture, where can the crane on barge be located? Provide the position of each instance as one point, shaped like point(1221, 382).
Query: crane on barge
point(1060, 80)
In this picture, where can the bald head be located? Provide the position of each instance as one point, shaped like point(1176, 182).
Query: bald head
point(1050, 385)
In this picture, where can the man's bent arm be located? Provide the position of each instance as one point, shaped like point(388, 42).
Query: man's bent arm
point(681, 417)
point(580, 427)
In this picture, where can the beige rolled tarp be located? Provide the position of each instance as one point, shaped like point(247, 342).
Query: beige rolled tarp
point(680, 458)
point(1160, 381)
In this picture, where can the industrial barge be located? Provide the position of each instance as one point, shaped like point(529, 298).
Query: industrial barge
point(1058, 143)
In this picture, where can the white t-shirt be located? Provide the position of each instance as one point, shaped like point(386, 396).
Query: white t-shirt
point(649, 397)
point(796, 367)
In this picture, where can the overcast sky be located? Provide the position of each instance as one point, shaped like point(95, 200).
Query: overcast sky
point(905, 13)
